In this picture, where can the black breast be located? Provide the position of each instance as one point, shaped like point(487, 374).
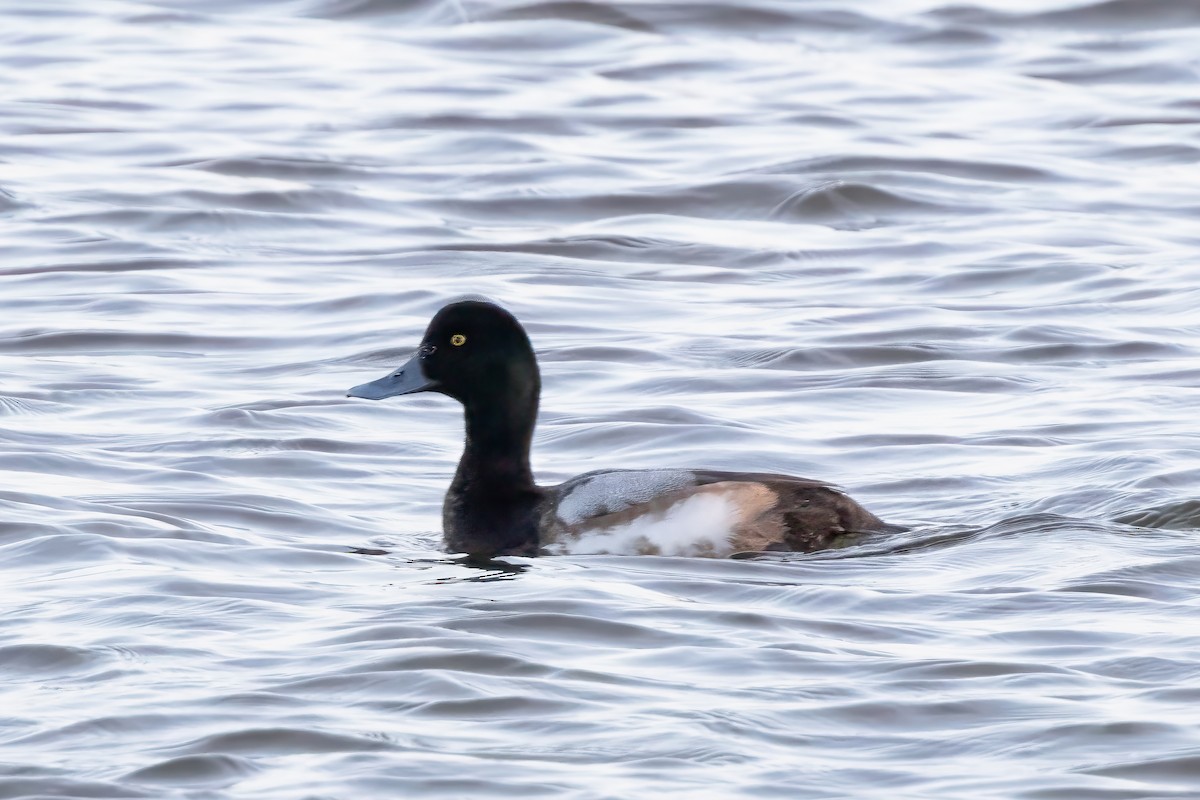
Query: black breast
point(485, 524)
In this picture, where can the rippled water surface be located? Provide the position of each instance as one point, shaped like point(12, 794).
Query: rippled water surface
point(945, 256)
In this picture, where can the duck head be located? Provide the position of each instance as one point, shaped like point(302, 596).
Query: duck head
point(473, 351)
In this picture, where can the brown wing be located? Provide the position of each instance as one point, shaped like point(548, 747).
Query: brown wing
point(807, 515)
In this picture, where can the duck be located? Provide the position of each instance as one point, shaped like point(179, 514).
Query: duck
point(477, 353)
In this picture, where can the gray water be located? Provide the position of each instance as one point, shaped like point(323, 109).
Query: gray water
point(943, 255)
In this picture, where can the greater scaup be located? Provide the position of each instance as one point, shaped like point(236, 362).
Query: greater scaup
point(477, 353)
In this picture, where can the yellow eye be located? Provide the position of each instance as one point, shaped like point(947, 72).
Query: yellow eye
point(458, 340)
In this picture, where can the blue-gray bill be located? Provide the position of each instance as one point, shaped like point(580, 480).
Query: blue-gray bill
point(405, 380)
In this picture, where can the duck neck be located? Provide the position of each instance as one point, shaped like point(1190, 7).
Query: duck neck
point(492, 505)
point(496, 452)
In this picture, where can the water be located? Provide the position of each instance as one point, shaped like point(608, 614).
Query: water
point(942, 255)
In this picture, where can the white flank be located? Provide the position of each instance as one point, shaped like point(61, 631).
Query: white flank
point(698, 525)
